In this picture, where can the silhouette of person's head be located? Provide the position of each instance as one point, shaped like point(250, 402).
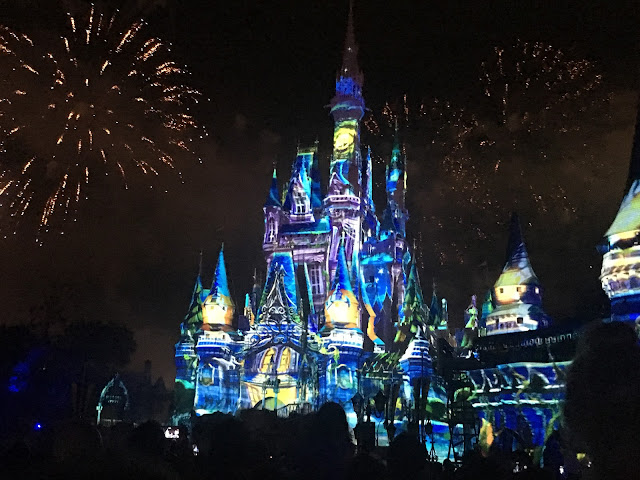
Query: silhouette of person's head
point(602, 408)
point(148, 438)
point(76, 440)
point(406, 456)
point(332, 423)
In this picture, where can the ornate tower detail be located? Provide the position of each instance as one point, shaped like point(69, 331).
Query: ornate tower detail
point(272, 212)
point(620, 275)
point(396, 188)
point(517, 292)
point(344, 194)
point(301, 196)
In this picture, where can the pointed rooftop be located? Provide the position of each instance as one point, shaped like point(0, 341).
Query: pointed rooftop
point(627, 219)
point(341, 280)
point(282, 262)
point(350, 67)
point(218, 307)
point(395, 150)
point(193, 318)
point(517, 269)
point(220, 285)
point(301, 176)
point(414, 308)
point(435, 315)
point(316, 186)
point(278, 304)
point(273, 198)
point(342, 308)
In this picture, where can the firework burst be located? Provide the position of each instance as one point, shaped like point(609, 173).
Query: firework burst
point(100, 100)
point(529, 139)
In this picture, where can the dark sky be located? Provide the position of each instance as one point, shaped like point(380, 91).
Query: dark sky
point(268, 68)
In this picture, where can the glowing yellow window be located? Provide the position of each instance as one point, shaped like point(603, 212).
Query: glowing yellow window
point(285, 360)
point(267, 360)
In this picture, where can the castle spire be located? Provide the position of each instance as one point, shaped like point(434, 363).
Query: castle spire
point(193, 318)
point(273, 198)
point(316, 186)
point(517, 269)
point(341, 279)
point(395, 151)
point(350, 67)
point(220, 285)
point(634, 164)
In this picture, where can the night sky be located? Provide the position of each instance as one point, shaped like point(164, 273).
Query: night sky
point(268, 68)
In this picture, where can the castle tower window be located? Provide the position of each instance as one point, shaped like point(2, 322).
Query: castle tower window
point(285, 360)
point(300, 203)
point(267, 360)
point(271, 230)
point(520, 320)
point(315, 279)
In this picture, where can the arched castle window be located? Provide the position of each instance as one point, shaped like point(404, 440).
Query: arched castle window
point(285, 360)
point(267, 360)
point(271, 230)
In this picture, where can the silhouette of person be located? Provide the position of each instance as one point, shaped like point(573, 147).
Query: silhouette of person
point(602, 408)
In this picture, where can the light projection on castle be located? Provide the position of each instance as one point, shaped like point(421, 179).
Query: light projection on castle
point(342, 315)
point(620, 275)
point(334, 297)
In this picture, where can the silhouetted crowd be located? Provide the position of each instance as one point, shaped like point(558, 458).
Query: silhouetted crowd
point(602, 417)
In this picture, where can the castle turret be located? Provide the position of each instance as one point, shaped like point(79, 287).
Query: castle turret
point(517, 292)
point(620, 275)
point(396, 187)
point(218, 306)
point(301, 195)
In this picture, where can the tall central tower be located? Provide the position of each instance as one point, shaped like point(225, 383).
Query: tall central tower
point(344, 194)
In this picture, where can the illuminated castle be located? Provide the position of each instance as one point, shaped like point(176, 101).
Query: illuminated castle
point(620, 275)
point(333, 304)
point(516, 295)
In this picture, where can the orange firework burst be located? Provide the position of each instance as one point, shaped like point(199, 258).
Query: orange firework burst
point(96, 101)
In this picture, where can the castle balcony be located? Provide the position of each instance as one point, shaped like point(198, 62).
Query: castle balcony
point(342, 202)
point(345, 337)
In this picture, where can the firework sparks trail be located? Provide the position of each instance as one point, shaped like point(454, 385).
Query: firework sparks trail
point(91, 99)
point(486, 158)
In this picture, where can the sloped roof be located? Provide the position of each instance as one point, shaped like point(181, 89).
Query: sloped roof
point(517, 269)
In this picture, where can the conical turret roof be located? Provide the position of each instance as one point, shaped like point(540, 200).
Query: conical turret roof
point(316, 186)
point(220, 285)
point(341, 280)
point(517, 269)
point(273, 198)
point(194, 315)
point(628, 217)
point(350, 67)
